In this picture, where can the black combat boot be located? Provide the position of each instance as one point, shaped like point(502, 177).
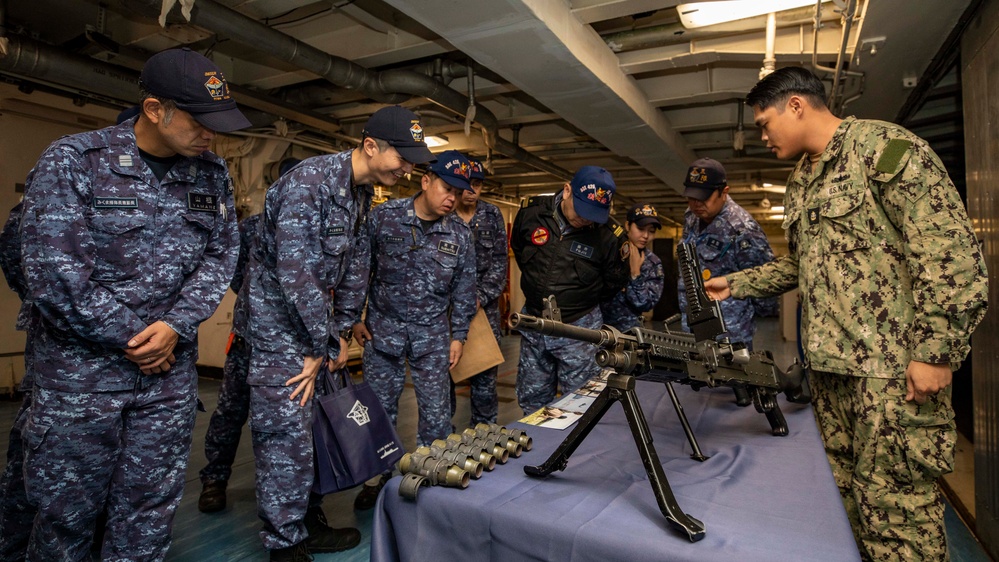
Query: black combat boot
point(212, 496)
point(323, 538)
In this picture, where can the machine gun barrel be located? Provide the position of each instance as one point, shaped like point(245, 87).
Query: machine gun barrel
point(602, 337)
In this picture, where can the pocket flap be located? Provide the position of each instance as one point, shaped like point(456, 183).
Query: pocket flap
point(842, 204)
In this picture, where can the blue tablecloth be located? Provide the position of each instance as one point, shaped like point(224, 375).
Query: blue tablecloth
point(759, 497)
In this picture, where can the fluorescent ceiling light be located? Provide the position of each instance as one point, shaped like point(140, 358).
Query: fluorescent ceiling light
point(435, 140)
point(700, 14)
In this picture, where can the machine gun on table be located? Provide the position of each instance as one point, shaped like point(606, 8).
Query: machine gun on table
point(697, 359)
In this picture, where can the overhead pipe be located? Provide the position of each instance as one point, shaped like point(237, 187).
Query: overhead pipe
point(817, 24)
point(117, 85)
point(30, 59)
point(851, 10)
point(391, 86)
point(676, 33)
point(316, 95)
point(770, 58)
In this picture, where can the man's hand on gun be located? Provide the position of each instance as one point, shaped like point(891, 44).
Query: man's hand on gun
point(717, 288)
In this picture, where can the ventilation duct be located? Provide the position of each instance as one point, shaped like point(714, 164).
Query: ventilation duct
point(391, 86)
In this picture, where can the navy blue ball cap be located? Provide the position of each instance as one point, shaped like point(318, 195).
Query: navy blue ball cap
point(452, 167)
point(592, 191)
point(196, 85)
point(478, 170)
point(644, 214)
point(402, 130)
point(704, 177)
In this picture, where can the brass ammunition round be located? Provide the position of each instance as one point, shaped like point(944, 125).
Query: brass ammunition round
point(472, 467)
point(456, 477)
point(405, 463)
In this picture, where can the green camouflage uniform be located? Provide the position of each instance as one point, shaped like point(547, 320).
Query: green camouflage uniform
point(891, 273)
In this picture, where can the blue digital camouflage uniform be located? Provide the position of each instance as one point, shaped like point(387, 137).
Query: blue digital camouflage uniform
point(107, 250)
point(16, 513)
point(733, 241)
point(489, 237)
point(226, 425)
point(416, 279)
point(550, 253)
point(890, 272)
point(306, 237)
point(641, 294)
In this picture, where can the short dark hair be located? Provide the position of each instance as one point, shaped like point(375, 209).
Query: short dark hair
point(782, 84)
point(382, 145)
point(169, 106)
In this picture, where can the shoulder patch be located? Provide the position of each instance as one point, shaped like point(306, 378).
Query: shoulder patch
point(892, 155)
point(615, 227)
point(83, 142)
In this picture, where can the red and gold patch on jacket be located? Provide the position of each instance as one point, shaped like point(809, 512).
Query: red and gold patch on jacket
point(540, 236)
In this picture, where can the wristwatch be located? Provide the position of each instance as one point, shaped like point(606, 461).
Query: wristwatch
point(347, 335)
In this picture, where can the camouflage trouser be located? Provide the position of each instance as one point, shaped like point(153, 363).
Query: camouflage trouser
point(227, 421)
point(547, 363)
point(282, 450)
point(886, 455)
point(16, 513)
point(128, 449)
point(386, 374)
point(485, 403)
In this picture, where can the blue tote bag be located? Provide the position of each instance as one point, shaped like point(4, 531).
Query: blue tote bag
point(353, 437)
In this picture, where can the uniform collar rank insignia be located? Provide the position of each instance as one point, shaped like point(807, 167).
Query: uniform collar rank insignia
point(813, 215)
point(447, 247)
point(125, 160)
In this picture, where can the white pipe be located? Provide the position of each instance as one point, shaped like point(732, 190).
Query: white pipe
point(770, 60)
